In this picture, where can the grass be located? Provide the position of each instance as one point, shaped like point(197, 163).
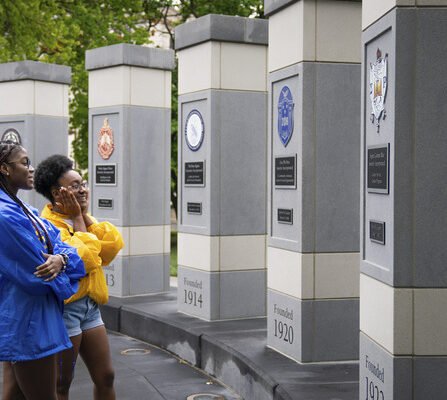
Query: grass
point(173, 263)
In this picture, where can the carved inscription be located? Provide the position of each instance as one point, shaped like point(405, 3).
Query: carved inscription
point(374, 383)
point(283, 329)
point(193, 292)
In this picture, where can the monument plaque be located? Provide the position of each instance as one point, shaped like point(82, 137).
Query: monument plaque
point(105, 174)
point(105, 203)
point(377, 232)
point(195, 173)
point(378, 169)
point(194, 208)
point(285, 172)
point(285, 216)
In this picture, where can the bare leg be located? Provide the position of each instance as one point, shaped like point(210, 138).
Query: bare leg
point(95, 352)
point(65, 367)
point(11, 389)
point(37, 378)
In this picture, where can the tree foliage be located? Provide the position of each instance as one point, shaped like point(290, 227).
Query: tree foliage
point(60, 32)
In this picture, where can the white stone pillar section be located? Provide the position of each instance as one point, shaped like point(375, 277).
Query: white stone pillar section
point(314, 163)
point(34, 111)
point(222, 167)
point(403, 284)
point(129, 160)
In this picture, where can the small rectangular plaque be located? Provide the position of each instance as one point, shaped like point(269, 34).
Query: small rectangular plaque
point(285, 172)
point(105, 174)
point(105, 203)
point(377, 232)
point(378, 169)
point(194, 208)
point(285, 216)
point(195, 173)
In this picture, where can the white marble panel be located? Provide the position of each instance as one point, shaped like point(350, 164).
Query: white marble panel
point(17, 97)
point(430, 322)
point(145, 240)
point(286, 37)
point(109, 87)
point(386, 315)
point(290, 273)
point(243, 67)
point(198, 251)
point(372, 10)
point(199, 67)
point(337, 275)
point(148, 87)
point(242, 252)
point(339, 28)
point(51, 99)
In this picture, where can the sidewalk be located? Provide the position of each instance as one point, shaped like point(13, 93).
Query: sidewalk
point(145, 372)
point(234, 352)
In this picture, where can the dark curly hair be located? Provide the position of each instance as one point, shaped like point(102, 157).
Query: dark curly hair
point(48, 173)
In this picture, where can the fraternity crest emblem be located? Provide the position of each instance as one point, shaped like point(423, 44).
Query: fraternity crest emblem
point(11, 135)
point(285, 115)
point(378, 82)
point(106, 143)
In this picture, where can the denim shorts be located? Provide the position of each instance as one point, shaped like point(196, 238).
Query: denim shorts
point(81, 315)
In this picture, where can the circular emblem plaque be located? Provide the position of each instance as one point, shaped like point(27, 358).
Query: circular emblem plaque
point(285, 115)
point(106, 143)
point(194, 130)
point(12, 135)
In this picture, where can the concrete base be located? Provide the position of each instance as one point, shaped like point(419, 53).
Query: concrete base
point(221, 295)
point(399, 377)
point(234, 351)
point(137, 275)
point(313, 330)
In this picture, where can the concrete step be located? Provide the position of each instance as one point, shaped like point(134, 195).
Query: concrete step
point(234, 352)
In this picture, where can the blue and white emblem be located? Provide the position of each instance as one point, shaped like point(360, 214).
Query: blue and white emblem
point(285, 115)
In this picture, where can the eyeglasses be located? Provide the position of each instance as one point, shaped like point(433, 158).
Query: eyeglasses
point(77, 186)
point(26, 162)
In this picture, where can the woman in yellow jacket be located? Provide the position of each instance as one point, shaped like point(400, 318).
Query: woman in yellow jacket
point(97, 244)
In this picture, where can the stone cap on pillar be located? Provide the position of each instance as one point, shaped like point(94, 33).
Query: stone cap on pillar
point(129, 54)
point(222, 28)
point(273, 6)
point(35, 70)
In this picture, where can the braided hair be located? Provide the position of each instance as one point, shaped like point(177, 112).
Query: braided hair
point(8, 148)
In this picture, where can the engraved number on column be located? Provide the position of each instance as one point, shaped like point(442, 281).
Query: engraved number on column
point(110, 279)
point(284, 331)
point(192, 298)
point(372, 391)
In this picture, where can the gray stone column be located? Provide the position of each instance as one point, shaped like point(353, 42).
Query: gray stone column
point(129, 160)
point(34, 111)
point(314, 163)
point(222, 167)
point(403, 284)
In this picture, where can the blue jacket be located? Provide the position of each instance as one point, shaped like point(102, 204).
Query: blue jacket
point(31, 324)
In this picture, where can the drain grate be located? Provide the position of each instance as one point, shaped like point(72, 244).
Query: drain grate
point(133, 352)
point(205, 396)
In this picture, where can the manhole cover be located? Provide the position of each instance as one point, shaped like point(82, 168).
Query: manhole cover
point(205, 396)
point(133, 352)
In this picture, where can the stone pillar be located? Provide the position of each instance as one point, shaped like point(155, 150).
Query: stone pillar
point(314, 163)
point(34, 111)
point(403, 284)
point(222, 167)
point(129, 160)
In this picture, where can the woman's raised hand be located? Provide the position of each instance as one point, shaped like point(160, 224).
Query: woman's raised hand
point(69, 205)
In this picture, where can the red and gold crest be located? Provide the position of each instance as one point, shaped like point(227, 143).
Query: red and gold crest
point(106, 144)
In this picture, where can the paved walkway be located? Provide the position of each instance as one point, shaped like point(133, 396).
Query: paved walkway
point(145, 372)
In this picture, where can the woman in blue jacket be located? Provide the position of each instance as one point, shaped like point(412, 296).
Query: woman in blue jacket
point(37, 273)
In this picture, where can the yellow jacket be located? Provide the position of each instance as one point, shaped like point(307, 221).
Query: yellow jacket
point(97, 248)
